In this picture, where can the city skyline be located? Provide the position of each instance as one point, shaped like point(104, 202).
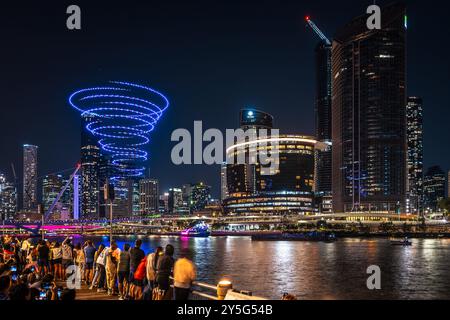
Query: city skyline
point(296, 93)
point(224, 150)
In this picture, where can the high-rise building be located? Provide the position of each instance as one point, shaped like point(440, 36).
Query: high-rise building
point(369, 114)
point(434, 188)
point(242, 176)
point(201, 193)
point(289, 190)
point(323, 119)
point(448, 185)
point(90, 157)
point(250, 118)
point(223, 182)
point(148, 196)
point(164, 203)
point(414, 129)
point(8, 199)
point(175, 201)
point(123, 192)
point(133, 197)
point(30, 177)
point(52, 185)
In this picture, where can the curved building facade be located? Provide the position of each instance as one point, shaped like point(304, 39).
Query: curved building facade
point(290, 189)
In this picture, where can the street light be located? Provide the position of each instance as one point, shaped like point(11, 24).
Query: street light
point(108, 194)
point(222, 288)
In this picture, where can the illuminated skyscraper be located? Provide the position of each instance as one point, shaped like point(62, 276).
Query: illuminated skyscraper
point(133, 197)
point(223, 182)
point(323, 118)
point(30, 177)
point(448, 185)
point(369, 114)
point(51, 186)
point(434, 188)
point(164, 203)
point(148, 196)
point(175, 201)
point(201, 194)
point(414, 127)
point(8, 199)
point(289, 190)
point(90, 156)
point(242, 177)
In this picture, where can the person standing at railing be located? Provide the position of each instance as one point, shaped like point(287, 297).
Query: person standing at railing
point(163, 273)
point(184, 273)
point(123, 271)
point(67, 254)
point(56, 259)
point(89, 253)
point(136, 256)
point(112, 259)
point(43, 256)
point(151, 267)
point(99, 276)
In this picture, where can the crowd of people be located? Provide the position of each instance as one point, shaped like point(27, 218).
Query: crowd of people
point(32, 270)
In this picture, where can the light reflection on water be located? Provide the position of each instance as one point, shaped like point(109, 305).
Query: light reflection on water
point(316, 270)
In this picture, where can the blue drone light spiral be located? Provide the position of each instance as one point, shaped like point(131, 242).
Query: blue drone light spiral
point(123, 115)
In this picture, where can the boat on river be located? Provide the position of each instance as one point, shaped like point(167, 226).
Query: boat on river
point(404, 242)
point(198, 230)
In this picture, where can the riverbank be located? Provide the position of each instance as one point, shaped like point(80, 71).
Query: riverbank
point(339, 234)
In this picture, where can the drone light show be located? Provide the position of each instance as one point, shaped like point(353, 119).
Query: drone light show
point(123, 115)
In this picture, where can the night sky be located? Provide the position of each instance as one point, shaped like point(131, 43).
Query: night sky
point(210, 58)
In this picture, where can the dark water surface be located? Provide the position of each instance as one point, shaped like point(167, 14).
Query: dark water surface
point(316, 270)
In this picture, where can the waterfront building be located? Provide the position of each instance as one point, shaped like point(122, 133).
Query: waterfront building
point(200, 196)
point(369, 114)
point(8, 199)
point(175, 201)
point(90, 156)
point(133, 197)
point(164, 202)
point(125, 191)
point(30, 162)
point(52, 185)
point(434, 188)
point(290, 190)
point(414, 128)
point(322, 169)
point(223, 182)
point(187, 193)
point(241, 177)
point(250, 118)
point(148, 196)
point(448, 185)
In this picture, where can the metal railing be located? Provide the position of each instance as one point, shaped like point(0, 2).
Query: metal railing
point(222, 291)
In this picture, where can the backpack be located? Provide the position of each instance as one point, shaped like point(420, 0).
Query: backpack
point(141, 270)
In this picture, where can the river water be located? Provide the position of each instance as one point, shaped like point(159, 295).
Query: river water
point(316, 270)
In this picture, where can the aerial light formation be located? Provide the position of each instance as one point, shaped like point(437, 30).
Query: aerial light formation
point(123, 115)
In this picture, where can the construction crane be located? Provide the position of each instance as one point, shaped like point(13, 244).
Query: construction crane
point(317, 30)
point(50, 210)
